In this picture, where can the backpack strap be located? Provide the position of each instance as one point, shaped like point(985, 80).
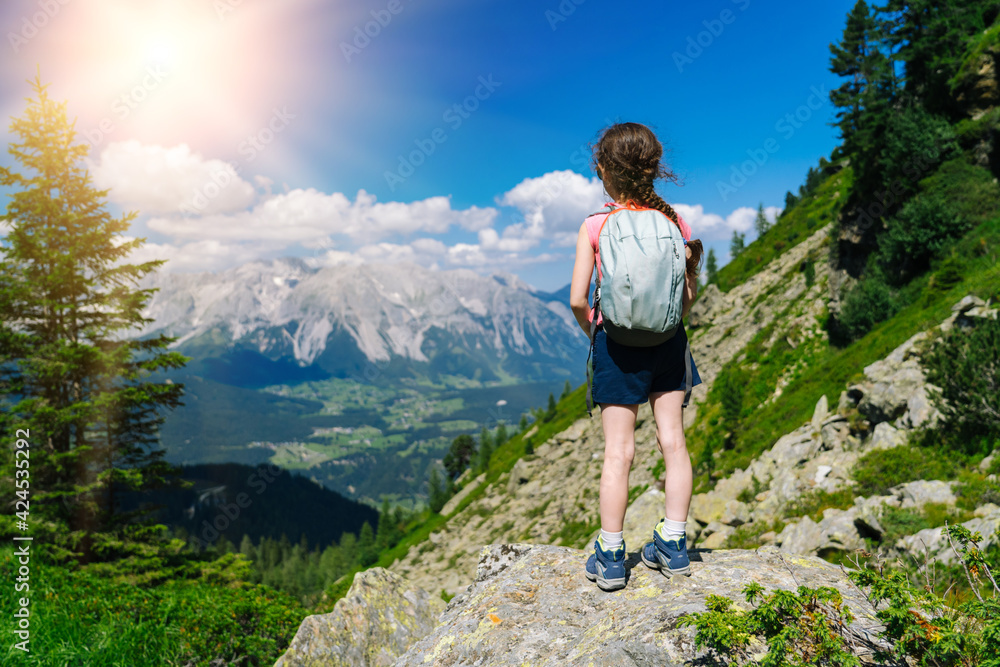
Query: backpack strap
point(688, 375)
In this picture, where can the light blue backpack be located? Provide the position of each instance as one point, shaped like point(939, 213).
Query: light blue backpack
point(640, 289)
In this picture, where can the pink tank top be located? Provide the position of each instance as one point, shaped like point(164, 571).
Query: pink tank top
point(594, 229)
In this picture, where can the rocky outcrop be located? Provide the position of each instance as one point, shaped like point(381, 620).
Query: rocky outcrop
point(893, 400)
point(531, 604)
point(378, 619)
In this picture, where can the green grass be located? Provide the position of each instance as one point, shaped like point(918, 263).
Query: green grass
point(748, 535)
point(85, 617)
point(794, 226)
point(878, 471)
point(814, 503)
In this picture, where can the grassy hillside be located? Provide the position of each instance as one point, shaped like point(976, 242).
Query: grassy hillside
point(815, 210)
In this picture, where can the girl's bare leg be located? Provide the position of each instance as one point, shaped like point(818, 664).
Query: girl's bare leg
point(619, 451)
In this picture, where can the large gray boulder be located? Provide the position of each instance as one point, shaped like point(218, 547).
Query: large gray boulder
point(531, 605)
point(381, 615)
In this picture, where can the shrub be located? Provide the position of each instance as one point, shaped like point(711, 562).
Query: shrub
point(878, 471)
point(811, 626)
point(866, 304)
point(925, 226)
point(965, 365)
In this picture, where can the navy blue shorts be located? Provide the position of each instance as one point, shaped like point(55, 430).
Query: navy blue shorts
point(628, 375)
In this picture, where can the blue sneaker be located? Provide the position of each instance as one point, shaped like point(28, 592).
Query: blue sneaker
point(668, 556)
point(607, 568)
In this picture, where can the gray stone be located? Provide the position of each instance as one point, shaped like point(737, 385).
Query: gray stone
point(968, 302)
point(932, 545)
point(519, 474)
point(718, 537)
point(378, 619)
point(540, 610)
point(885, 436)
point(802, 537)
point(987, 462)
point(820, 412)
point(454, 501)
point(735, 514)
point(921, 492)
point(920, 411)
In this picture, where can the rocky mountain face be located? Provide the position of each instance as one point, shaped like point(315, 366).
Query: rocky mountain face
point(531, 605)
point(880, 413)
point(345, 319)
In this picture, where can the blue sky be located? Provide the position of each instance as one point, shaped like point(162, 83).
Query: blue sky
point(452, 134)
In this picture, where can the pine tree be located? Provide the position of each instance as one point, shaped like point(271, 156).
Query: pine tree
point(459, 456)
point(567, 390)
point(366, 549)
point(852, 58)
point(69, 373)
point(522, 425)
point(711, 267)
point(437, 496)
point(501, 435)
point(550, 411)
point(761, 223)
point(485, 450)
point(737, 244)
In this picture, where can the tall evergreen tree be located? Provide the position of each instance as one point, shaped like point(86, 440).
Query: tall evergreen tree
point(761, 224)
point(69, 372)
point(858, 58)
point(929, 39)
point(485, 450)
point(437, 495)
point(711, 267)
point(501, 435)
point(737, 244)
point(459, 455)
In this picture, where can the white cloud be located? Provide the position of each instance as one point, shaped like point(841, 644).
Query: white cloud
point(205, 255)
point(553, 206)
point(161, 180)
point(708, 226)
point(309, 216)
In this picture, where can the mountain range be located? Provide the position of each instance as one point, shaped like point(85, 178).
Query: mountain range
point(284, 321)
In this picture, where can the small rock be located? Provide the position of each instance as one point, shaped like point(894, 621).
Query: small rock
point(454, 501)
point(967, 303)
point(717, 539)
point(885, 436)
point(986, 510)
point(735, 514)
point(987, 462)
point(821, 473)
point(820, 412)
point(922, 492)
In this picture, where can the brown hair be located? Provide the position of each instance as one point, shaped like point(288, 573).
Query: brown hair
point(630, 158)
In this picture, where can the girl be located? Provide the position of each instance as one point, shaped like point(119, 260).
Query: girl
point(627, 159)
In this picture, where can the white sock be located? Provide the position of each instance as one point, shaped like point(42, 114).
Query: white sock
point(611, 541)
point(673, 529)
